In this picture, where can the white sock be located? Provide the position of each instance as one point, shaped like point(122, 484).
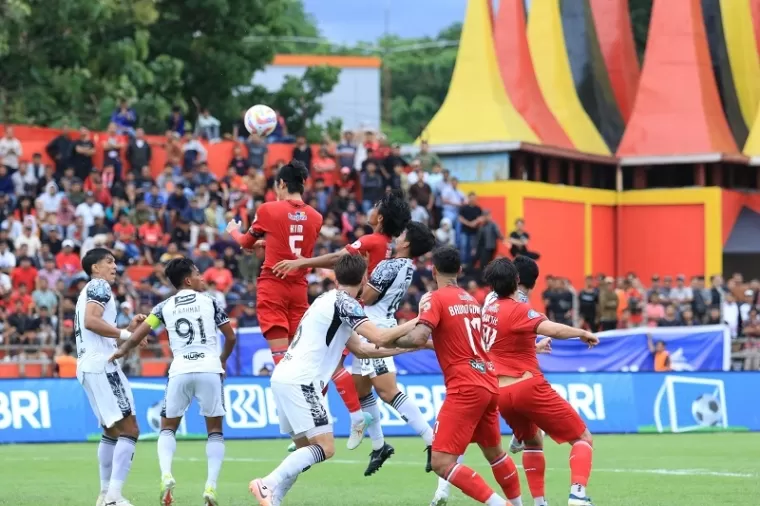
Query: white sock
point(515, 501)
point(413, 417)
point(540, 501)
point(356, 417)
point(283, 489)
point(123, 454)
point(105, 460)
point(495, 500)
point(167, 445)
point(215, 456)
point(294, 464)
point(578, 490)
point(369, 405)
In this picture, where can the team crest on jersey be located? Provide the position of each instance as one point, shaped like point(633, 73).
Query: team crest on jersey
point(356, 244)
point(297, 216)
point(533, 314)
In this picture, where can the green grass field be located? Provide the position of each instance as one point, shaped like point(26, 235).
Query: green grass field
point(633, 470)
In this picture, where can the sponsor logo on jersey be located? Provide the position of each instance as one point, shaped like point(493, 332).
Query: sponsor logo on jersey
point(184, 300)
point(478, 366)
point(194, 356)
point(492, 308)
point(466, 297)
point(297, 216)
point(532, 313)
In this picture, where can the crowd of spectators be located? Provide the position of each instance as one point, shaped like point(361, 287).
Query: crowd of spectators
point(50, 216)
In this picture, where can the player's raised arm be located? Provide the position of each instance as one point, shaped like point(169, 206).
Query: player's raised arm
point(555, 330)
point(245, 240)
point(98, 295)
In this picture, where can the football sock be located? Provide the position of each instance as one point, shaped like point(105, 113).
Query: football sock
point(580, 467)
point(215, 456)
point(413, 417)
point(123, 454)
point(344, 383)
point(471, 483)
point(167, 445)
point(505, 472)
point(369, 405)
point(105, 460)
point(534, 465)
point(294, 464)
point(496, 500)
point(284, 488)
point(278, 352)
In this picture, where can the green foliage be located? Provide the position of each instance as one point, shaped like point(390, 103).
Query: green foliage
point(72, 62)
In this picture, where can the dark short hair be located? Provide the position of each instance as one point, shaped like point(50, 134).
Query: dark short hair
point(294, 175)
point(501, 274)
point(396, 214)
point(179, 269)
point(527, 268)
point(420, 237)
point(68, 349)
point(350, 269)
point(94, 256)
point(447, 260)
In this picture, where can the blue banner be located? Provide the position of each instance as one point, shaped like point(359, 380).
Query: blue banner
point(50, 410)
point(704, 348)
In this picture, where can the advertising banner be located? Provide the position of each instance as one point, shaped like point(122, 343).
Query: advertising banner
point(53, 410)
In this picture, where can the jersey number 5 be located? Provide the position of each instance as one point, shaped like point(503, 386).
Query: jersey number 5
point(294, 241)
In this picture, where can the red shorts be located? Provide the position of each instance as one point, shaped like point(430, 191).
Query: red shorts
point(533, 404)
point(280, 304)
point(467, 416)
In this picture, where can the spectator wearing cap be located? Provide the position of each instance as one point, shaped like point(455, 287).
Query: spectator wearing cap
point(10, 150)
point(125, 315)
point(67, 260)
point(28, 239)
point(248, 318)
point(681, 295)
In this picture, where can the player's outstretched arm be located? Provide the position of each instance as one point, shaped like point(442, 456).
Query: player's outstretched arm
point(285, 267)
point(418, 337)
point(362, 349)
point(385, 337)
point(245, 240)
point(555, 330)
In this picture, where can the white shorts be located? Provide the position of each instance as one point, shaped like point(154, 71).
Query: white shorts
point(373, 367)
point(181, 389)
point(109, 394)
point(301, 410)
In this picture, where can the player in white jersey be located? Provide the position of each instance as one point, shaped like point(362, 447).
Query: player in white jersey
point(386, 289)
point(104, 383)
point(527, 269)
point(191, 318)
point(328, 327)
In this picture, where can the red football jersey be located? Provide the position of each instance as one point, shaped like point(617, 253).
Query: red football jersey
point(509, 336)
point(374, 247)
point(291, 228)
point(454, 316)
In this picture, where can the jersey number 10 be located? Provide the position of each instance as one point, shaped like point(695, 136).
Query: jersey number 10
point(487, 334)
point(186, 330)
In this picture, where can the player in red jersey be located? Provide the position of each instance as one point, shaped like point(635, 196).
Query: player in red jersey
point(526, 400)
point(291, 228)
point(470, 411)
point(388, 219)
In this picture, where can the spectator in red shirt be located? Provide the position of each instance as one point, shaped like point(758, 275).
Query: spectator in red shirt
point(124, 230)
point(324, 166)
point(67, 260)
point(219, 275)
point(21, 295)
point(25, 274)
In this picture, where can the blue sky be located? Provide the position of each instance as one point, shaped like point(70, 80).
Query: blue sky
point(349, 21)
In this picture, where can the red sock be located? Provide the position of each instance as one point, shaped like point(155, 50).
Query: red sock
point(580, 463)
point(469, 482)
point(534, 464)
point(505, 472)
point(278, 354)
point(277, 334)
point(346, 389)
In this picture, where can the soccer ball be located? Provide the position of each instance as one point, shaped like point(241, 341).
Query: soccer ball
point(261, 119)
point(706, 410)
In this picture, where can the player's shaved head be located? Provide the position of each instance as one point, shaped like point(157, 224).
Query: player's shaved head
point(527, 268)
point(350, 270)
point(94, 256)
point(178, 270)
point(502, 276)
point(447, 260)
point(420, 238)
point(293, 175)
point(394, 209)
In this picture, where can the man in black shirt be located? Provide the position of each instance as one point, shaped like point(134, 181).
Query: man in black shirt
point(559, 302)
point(468, 224)
point(60, 150)
point(588, 299)
point(84, 150)
point(302, 152)
point(519, 241)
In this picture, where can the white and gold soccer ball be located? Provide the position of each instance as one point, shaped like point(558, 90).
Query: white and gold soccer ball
point(261, 119)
